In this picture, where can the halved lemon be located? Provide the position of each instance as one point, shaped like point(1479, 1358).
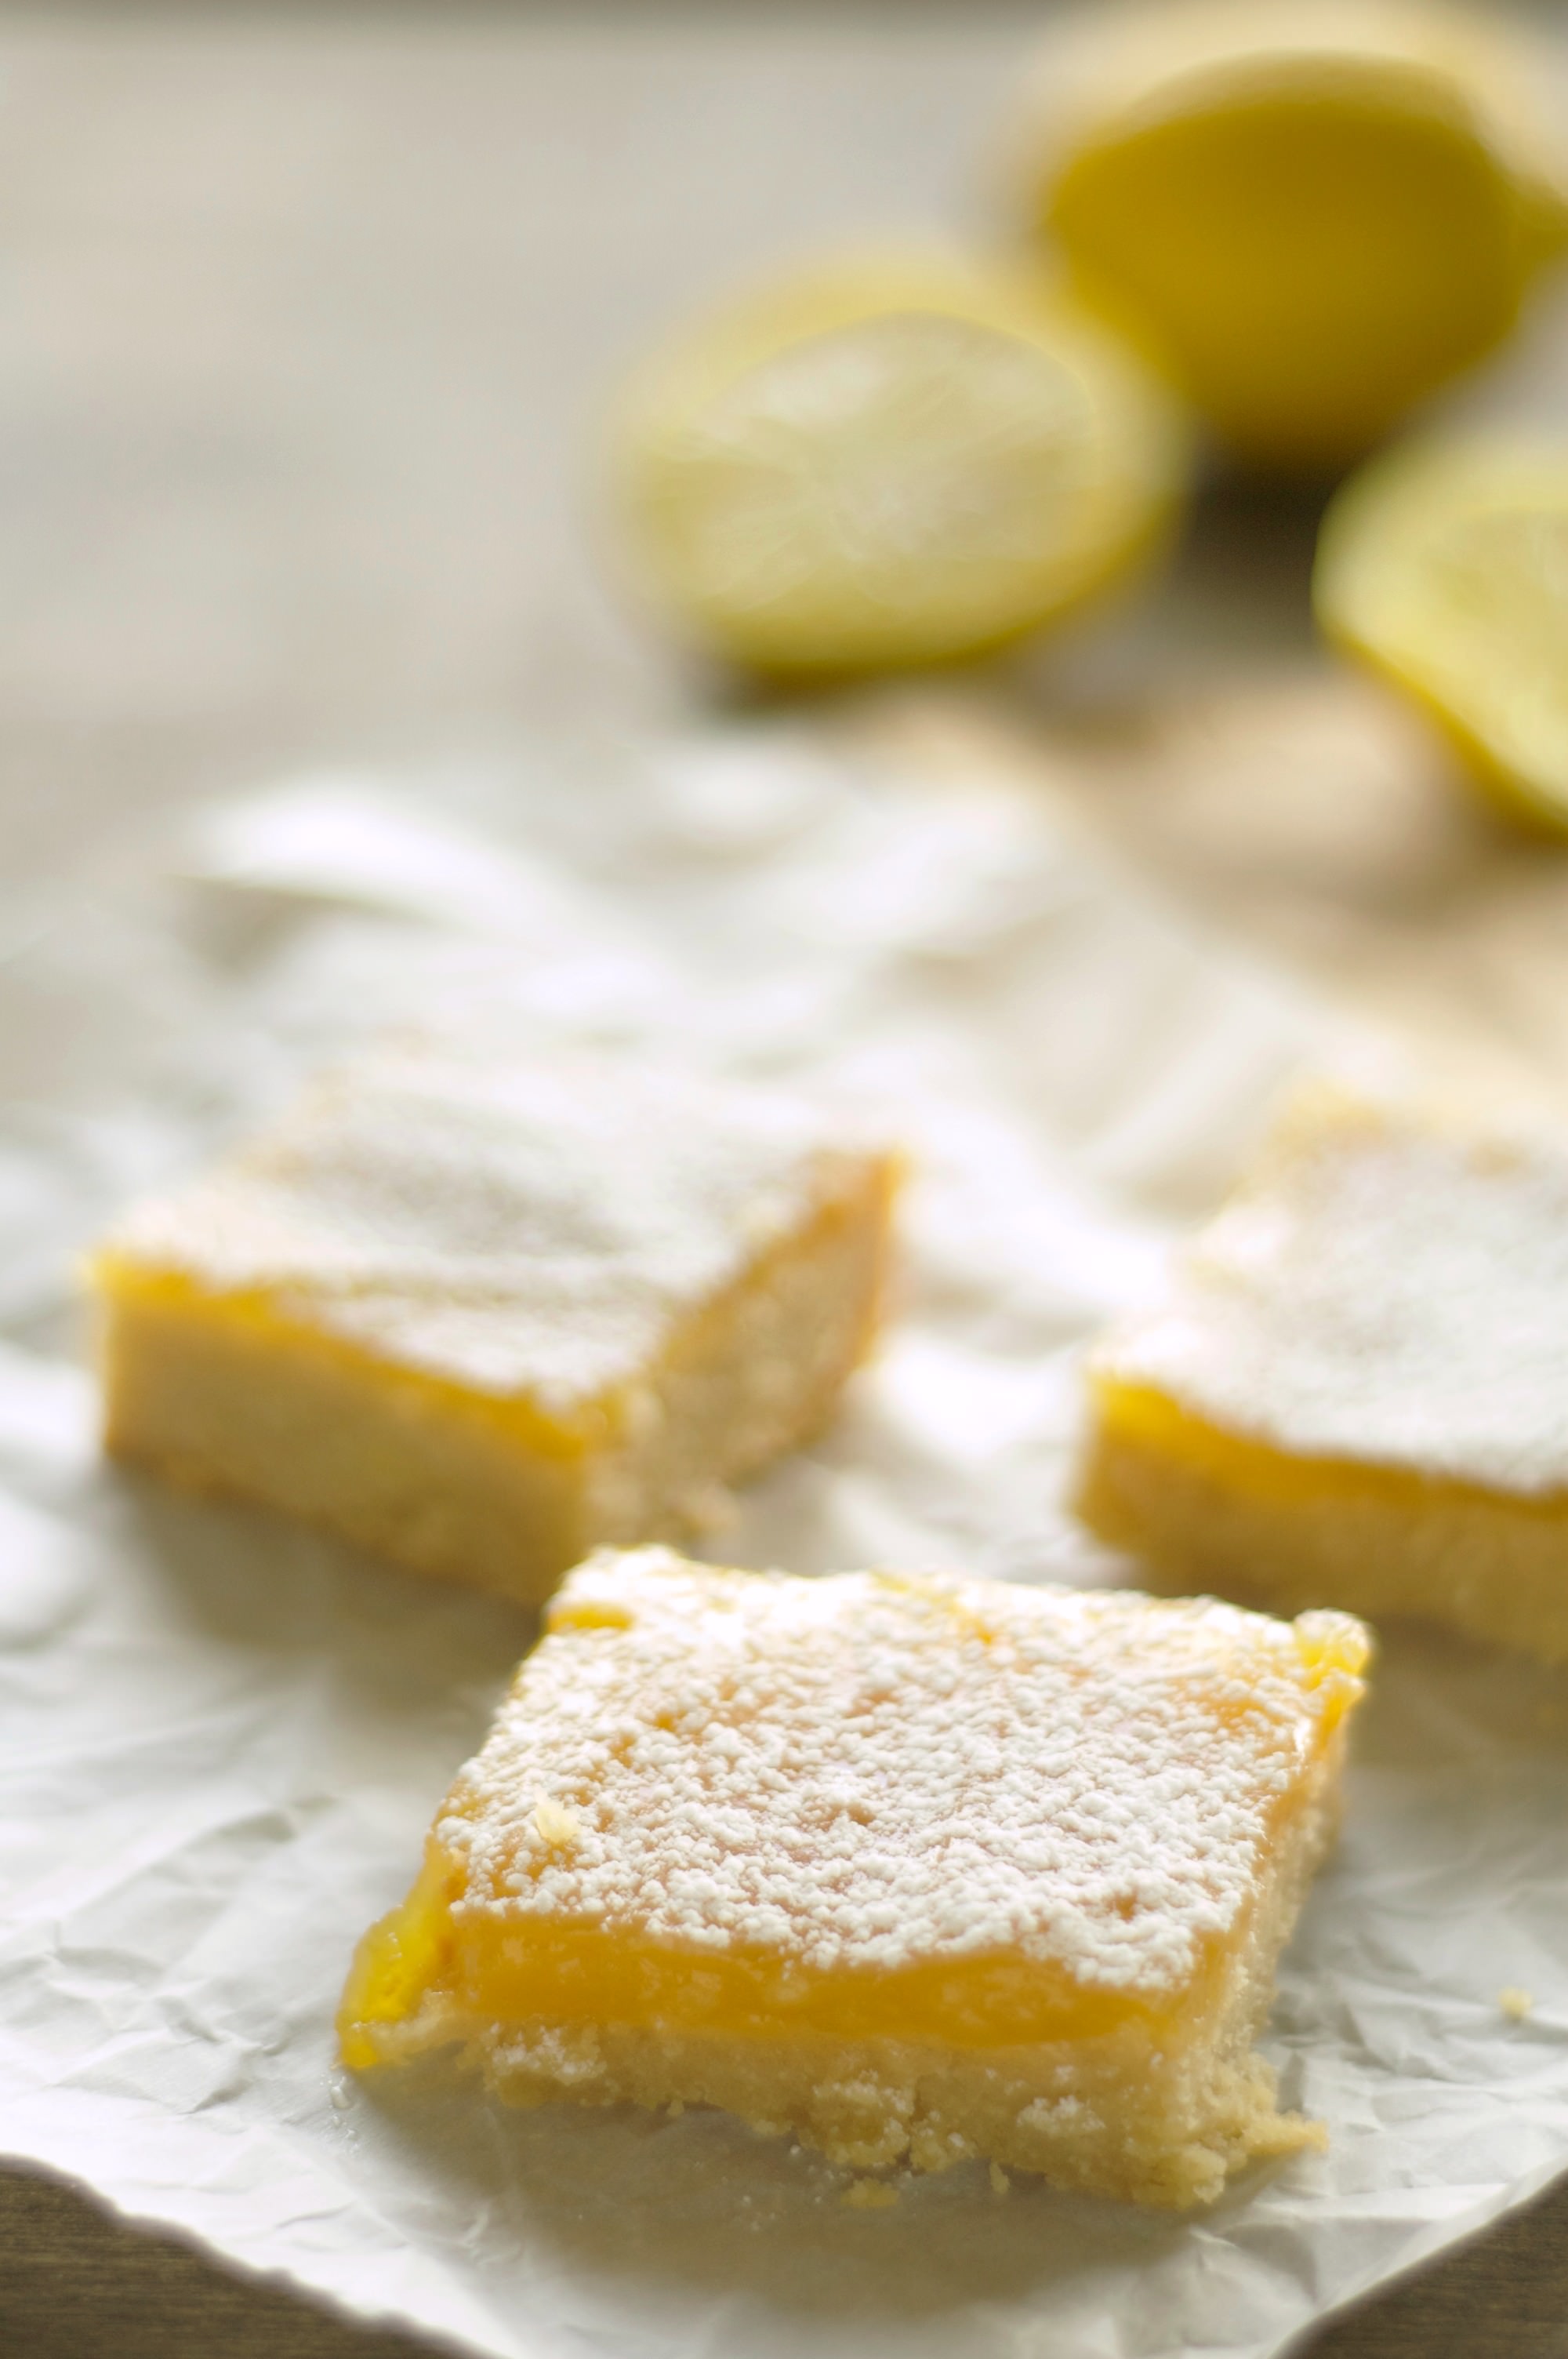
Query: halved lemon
point(892, 462)
point(1445, 568)
point(1315, 211)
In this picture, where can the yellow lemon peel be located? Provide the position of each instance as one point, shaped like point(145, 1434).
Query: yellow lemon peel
point(1317, 212)
point(1444, 567)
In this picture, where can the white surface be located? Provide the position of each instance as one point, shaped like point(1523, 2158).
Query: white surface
point(222, 1739)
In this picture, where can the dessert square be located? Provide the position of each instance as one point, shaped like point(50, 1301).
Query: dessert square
point(480, 1317)
point(1356, 1391)
point(916, 1868)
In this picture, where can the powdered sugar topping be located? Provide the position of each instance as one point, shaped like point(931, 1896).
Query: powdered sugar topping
point(874, 1770)
point(1390, 1288)
point(531, 1228)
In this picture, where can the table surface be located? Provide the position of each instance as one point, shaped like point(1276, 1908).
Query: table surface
point(306, 320)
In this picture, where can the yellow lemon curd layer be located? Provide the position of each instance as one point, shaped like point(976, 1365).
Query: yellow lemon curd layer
point(579, 1974)
point(264, 1319)
point(1205, 1508)
point(1281, 1477)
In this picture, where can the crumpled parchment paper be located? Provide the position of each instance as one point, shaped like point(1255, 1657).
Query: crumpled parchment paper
point(223, 1738)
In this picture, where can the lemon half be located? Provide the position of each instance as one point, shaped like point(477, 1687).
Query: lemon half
point(891, 461)
point(1315, 213)
point(1445, 566)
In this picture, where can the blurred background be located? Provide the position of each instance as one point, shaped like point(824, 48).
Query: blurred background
point(311, 314)
point(308, 313)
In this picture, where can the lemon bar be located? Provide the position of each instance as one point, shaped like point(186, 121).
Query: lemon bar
point(916, 1868)
point(1356, 1391)
point(481, 1317)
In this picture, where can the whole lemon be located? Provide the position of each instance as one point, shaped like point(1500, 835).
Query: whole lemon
point(1314, 213)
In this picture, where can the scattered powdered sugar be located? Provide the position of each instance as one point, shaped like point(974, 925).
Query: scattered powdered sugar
point(873, 1769)
point(1391, 1288)
point(530, 1228)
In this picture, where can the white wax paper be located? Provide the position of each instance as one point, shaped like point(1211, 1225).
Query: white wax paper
point(223, 1738)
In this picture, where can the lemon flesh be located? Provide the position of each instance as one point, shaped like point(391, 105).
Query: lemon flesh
point(1445, 568)
point(1316, 216)
point(891, 464)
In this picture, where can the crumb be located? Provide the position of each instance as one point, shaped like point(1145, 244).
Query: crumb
point(675, 2108)
point(555, 1824)
point(1000, 2180)
point(869, 2195)
point(1515, 2004)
